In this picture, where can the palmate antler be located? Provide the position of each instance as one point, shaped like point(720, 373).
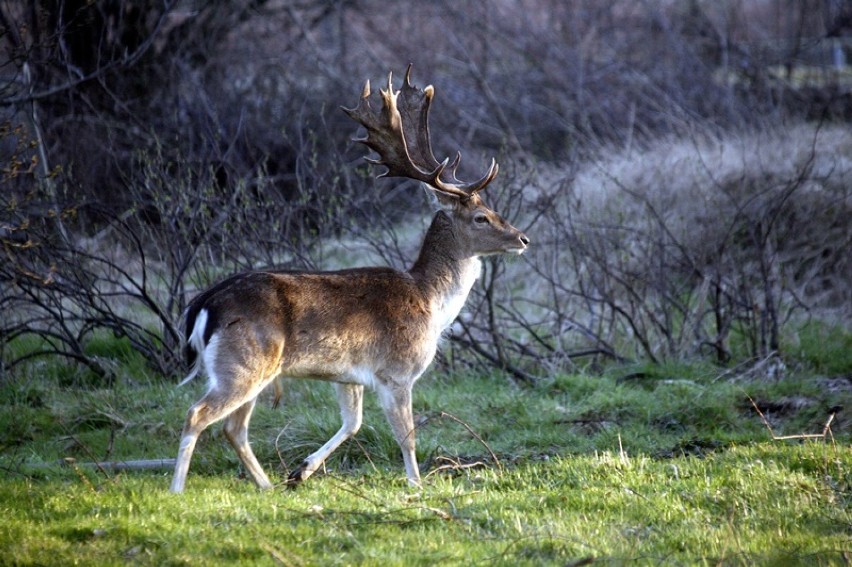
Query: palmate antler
point(399, 133)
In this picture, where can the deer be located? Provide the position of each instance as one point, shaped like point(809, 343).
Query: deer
point(369, 327)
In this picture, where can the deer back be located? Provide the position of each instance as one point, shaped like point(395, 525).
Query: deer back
point(368, 321)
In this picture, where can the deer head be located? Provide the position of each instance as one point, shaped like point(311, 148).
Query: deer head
point(399, 132)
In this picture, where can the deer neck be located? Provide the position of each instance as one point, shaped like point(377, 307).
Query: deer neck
point(444, 272)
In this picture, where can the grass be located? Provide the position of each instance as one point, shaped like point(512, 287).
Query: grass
point(648, 464)
point(826, 348)
point(767, 503)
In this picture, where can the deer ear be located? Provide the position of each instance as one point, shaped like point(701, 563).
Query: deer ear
point(439, 200)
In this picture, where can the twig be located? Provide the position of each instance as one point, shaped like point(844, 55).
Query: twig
point(366, 453)
point(95, 463)
point(440, 513)
point(475, 435)
point(83, 478)
point(826, 430)
point(505, 365)
point(454, 466)
point(354, 490)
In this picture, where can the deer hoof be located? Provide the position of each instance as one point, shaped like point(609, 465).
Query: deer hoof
point(297, 476)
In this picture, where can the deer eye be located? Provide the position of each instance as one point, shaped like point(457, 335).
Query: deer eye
point(481, 219)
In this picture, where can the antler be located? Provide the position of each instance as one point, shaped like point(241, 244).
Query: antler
point(399, 133)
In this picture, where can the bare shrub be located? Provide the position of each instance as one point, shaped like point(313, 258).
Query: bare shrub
point(151, 147)
point(132, 277)
point(694, 246)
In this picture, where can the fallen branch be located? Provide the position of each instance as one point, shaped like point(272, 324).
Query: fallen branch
point(826, 430)
point(143, 465)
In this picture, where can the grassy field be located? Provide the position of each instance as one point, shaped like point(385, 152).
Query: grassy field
point(642, 464)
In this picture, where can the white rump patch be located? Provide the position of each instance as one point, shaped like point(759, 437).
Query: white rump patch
point(210, 352)
point(196, 342)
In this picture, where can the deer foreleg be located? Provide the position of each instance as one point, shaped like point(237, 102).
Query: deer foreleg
point(350, 397)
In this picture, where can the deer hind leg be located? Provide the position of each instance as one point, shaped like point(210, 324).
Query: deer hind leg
point(233, 388)
point(236, 431)
point(350, 397)
point(218, 403)
point(396, 403)
point(204, 412)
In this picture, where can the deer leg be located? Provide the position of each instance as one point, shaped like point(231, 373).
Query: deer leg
point(236, 431)
point(230, 391)
point(188, 437)
point(396, 403)
point(350, 397)
point(207, 410)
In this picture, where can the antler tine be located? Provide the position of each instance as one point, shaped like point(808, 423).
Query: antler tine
point(399, 133)
point(408, 75)
point(477, 186)
point(455, 165)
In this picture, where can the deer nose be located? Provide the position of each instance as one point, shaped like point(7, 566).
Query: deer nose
point(524, 240)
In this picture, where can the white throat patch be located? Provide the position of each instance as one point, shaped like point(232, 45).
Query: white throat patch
point(453, 302)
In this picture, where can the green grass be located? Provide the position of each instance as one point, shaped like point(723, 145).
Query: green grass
point(647, 464)
point(827, 349)
point(767, 503)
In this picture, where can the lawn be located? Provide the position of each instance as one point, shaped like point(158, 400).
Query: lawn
point(665, 464)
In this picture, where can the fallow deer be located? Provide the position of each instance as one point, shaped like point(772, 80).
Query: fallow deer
point(373, 327)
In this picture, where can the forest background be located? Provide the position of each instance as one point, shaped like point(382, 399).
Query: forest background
point(683, 168)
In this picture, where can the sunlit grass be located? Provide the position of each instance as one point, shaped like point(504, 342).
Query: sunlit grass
point(763, 503)
point(649, 464)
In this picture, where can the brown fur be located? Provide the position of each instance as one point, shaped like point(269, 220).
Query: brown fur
point(373, 327)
